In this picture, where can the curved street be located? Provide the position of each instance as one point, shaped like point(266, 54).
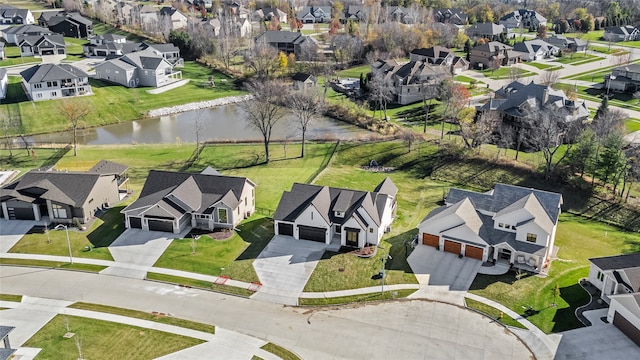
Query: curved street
point(414, 329)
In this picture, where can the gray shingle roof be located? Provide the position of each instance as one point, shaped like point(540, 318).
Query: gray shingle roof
point(106, 167)
point(71, 188)
point(27, 29)
point(485, 29)
point(55, 39)
point(271, 36)
point(504, 195)
point(617, 262)
point(196, 191)
point(50, 72)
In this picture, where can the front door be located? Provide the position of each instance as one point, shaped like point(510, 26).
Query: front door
point(352, 238)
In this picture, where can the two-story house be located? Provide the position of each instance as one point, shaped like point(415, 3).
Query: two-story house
point(50, 81)
point(355, 13)
point(289, 42)
point(536, 49)
point(269, 14)
point(40, 45)
point(13, 15)
point(489, 31)
point(440, 55)
point(177, 19)
point(523, 18)
point(172, 201)
point(624, 78)
point(493, 54)
point(71, 25)
point(314, 14)
point(140, 68)
point(325, 214)
point(451, 16)
point(412, 81)
point(508, 223)
point(621, 33)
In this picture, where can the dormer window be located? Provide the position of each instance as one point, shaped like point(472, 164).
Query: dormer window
point(339, 214)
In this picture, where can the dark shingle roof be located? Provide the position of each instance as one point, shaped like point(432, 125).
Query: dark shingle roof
point(617, 262)
point(300, 76)
point(71, 188)
point(272, 36)
point(504, 195)
point(106, 167)
point(28, 29)
point(55, 39)
point(49, 72)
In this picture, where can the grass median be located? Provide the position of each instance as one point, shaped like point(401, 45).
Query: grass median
point(494, 313)
point(376, 296)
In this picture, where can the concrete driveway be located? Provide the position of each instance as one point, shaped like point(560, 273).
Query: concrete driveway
point(140, 249)
point(11, 231)
point(437, 268)
point(599, 341)
point(284, 267)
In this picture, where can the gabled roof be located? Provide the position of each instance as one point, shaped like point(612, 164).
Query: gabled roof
point(531, 204)
point(50, 72)
point(301, 76)
point(74, 18)
point(106, 167)
point(185, 192)
point(617, 262)
point(387, 187)
point(504, 195)
point(33, 40)
point(27, 29)
point(70, 188)
point(521, 14)
point(432, 52)
point(453, 15)
point(533, 46)
point(492, 46)
point(328, 201)
point(108, 37)
point(485, 29)
point(271, 36)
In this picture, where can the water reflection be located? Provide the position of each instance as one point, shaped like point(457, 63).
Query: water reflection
point(218, 124)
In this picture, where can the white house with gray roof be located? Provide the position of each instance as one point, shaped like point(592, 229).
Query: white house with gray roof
point(325, 214)
point(508, 223)
point(13, 15)
point(12, 34)
point(140, 68)
point(172, 201)
point(50, 81)
point(42, 45)
point(618, 279)
point(528, 19)
point(536, 49)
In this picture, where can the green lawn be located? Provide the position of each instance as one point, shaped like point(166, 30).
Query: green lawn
point(632, 125)
point(114, 103)
point(53, 264)
point(466, 79)
point(232, 257)
point(12, 54)
point(10, 297)
point(594, 35)
point(578, 59)
point(503, 73)
point(578, 239)
point(493, 313)
point(104, 340)
point(160, 318)
point(355, 72)
point(194, 283)
point(541, 66)
point(280, 352)
point(377, 296)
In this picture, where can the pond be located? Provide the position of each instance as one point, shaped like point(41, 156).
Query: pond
point(224, 123)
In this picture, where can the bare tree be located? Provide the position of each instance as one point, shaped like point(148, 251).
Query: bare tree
point(478, 131)
point(381, 91)
point(74, 111)
point(547, 129)
point(264, 110)
point(305, 107)
point(263, 60)
point(347, 48)
point(549, 77)
point(515, 73)
point(9, 125)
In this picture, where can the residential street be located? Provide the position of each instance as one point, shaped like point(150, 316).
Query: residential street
point(414, 329)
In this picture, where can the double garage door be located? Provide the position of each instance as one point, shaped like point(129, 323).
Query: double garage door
point(154, 225)
point(626, 327)
point(304, 232)
point(453, 247)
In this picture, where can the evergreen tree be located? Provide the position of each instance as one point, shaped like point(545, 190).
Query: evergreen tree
point(582, 154)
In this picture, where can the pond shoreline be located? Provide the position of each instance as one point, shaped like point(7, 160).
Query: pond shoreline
point(197, 105)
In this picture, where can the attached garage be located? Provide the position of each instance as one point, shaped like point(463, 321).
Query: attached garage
point(135, 223)
point(430, 240)
point(473, 252)
point(285, 229)
point(626, 327)
point(160, 225)
point(21, 213)
point(452, 247)
point(311, 233)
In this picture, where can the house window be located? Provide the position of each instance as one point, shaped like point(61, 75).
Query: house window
point(59, 212)
point(513, 227)
point(531, 237)
point(312, 215)
point(222, 216)
point(54, 93)
point(600, 276)
point(245, 201)
point(37, 86)
point(371, 230)
point(501, 225)
point(39, 95)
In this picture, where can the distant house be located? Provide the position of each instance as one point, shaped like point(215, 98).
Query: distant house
point(40, 45)
point(13, 15)
point(304, 47)
point(621, 33)
point(49, 81)
point(567, 43)
point(62, 196)
point(314, 14)
point(4, 81)
point(302, 81)
point(172, 201)
point(493, 54)
point(140, 68)
point(451, 16)
point(353, 218)
point(399, 14)
point(412, 81)
point(523, 18)
point(440, 55)
point(510, 224)
point(43, 19)
point(624, 78)
point(489, 31)
point(12, 34)
point(148, 15)
point(355, 13)
point(107, 39)
point(236, 26)
point(536, 49)
point(71, 25)
point(513, 101)
point(178, 19)
point(268, 14)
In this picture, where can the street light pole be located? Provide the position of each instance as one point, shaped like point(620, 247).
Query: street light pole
point(61, 226)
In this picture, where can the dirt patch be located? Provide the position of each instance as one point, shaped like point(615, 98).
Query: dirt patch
point(365, 252)
point(217, 234)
